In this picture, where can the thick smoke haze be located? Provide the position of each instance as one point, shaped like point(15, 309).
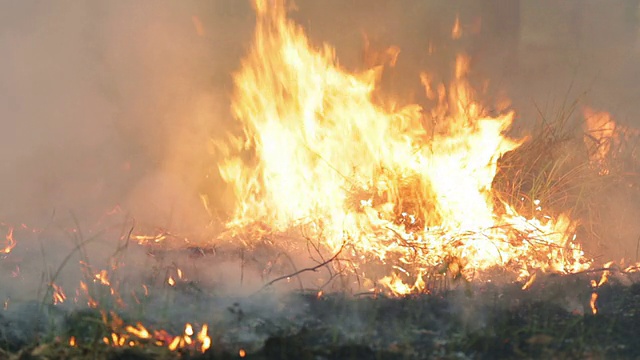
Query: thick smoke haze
point(106, 103)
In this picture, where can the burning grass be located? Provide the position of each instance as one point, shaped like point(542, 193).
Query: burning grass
point(395, 231)
point(550, 319)
point(400, 184)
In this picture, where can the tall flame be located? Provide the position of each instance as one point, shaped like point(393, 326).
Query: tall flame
point(400, 184)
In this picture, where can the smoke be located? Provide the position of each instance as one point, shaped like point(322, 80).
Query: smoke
point(115, 103)
point(112, 105)
point(108, 106)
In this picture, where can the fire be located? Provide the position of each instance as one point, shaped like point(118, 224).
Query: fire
point(399, 184)
point(596, 284)
point(456, 31)
point(102, 277)
point(600, 135)
point(84, 289)
point(139, 335)
point(57, 294)
point(592, 303)
point(140, 331)
point(204, 339)
point(10, 242)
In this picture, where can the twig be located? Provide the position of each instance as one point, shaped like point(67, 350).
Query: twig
point(304, 270)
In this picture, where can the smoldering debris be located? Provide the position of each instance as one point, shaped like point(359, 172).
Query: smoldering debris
point(480, 321)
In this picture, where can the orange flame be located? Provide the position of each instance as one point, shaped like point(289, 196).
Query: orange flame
point(58, 294)
point(140, 331)
point(592, 303)
point(11, 243)
point(91, 302)
point(400, 184)
point(600, 135)
point(102, 277)
point(204, 338)
point(456, 31)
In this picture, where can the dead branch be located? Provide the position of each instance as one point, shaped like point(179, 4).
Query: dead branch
point(315, 268)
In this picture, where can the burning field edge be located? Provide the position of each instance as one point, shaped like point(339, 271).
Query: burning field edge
point(552, 319)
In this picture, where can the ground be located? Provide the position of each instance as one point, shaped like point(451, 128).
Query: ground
point(552, 319)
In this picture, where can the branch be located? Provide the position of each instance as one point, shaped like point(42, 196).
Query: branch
point(305, 269)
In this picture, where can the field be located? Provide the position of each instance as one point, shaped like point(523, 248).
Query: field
point(259, 198)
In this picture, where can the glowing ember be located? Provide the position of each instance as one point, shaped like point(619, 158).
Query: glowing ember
point(399, 184)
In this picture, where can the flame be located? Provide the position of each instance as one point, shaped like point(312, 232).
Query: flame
point(605, 274)
point(91, 302)
point(10, 242)
point(399, 184)
point(58, 294)
point(600, 135)
point(102, 277)
point(456, 31)
point(175, 343)
point(592, 303)
point(603, 280)
point(139, 335)
point(529, 282)
point(204, 339)
point(140, 331)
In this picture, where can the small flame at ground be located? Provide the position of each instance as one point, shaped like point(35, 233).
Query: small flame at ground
point(592, 303)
